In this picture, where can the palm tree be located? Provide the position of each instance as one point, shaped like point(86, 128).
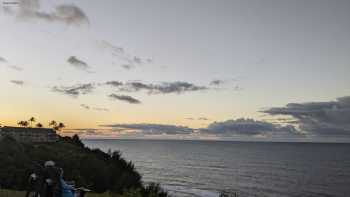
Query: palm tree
point(25, 123)
point(20, 123)
point(31, 120)
point(59, 126)
point(39, 125)
point(53, 124)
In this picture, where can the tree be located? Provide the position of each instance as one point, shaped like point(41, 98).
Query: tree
point(39, 125)
point(23, 123)
point(31, 120)
point(20, 123)
point(59, 126)
point(53, 124)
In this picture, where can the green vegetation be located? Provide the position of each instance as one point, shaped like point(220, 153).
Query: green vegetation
point(91, 168)
point(12, 193)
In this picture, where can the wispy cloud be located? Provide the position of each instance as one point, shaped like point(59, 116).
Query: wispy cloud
point(84, 106)
point(125, 98)
point(2, 60)
point(17, 82)
point(87, 107)
point(151, 129)
point(162, 88)
point(115, 50)
point(100, 109)
point(200, 118)
point(75, 90)
point(64, 13)
point(77, 63)
point(16, 68)
point(128, 66)
point(216, 82)
point(129, 61)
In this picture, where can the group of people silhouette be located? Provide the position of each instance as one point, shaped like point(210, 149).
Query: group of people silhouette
point(48, 181)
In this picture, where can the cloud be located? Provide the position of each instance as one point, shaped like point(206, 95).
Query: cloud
point(17, 82)
point(64, 13)
point(237, 88)
point(203, 118)
point(114, 83)
point(162, 88)
point(230, 128)
point(125, 98)
point(94, 108)
point(84, 106)
point(319, 118)
point(3, 59)
point(248, 127)
point(75, 90)
point(116, 50)
point(137, 60)
point(100, 109)
point(216, 82)
point(200, 118)
point(77, 63)
point(87, 132)
point(127, 66)
point(17, 68)
point(151, 129)
point(129, 61)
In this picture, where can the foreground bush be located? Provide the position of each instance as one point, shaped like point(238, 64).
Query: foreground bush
point(93, 169)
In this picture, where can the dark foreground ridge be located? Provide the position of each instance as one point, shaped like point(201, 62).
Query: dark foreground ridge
point(92, 168)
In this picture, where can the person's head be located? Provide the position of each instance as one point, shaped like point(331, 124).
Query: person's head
point(49, 164)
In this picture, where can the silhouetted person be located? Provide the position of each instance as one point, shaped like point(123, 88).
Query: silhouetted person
point(51, 184)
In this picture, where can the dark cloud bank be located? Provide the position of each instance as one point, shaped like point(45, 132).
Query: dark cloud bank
point(309, 120)
point(319, 118)
point(239, 127)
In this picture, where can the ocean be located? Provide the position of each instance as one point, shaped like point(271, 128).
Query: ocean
point(205, 168)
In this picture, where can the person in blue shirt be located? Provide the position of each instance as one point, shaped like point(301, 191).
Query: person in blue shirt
point(66, 190)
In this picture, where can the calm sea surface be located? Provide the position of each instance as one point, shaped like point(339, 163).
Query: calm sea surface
point(203, 168)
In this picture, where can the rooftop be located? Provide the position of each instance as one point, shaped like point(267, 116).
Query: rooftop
point(27, 129)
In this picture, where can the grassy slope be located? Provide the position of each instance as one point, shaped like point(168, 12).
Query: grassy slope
point(11, 193)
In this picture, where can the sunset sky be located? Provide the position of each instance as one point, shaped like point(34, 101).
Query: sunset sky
point(198, 69)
